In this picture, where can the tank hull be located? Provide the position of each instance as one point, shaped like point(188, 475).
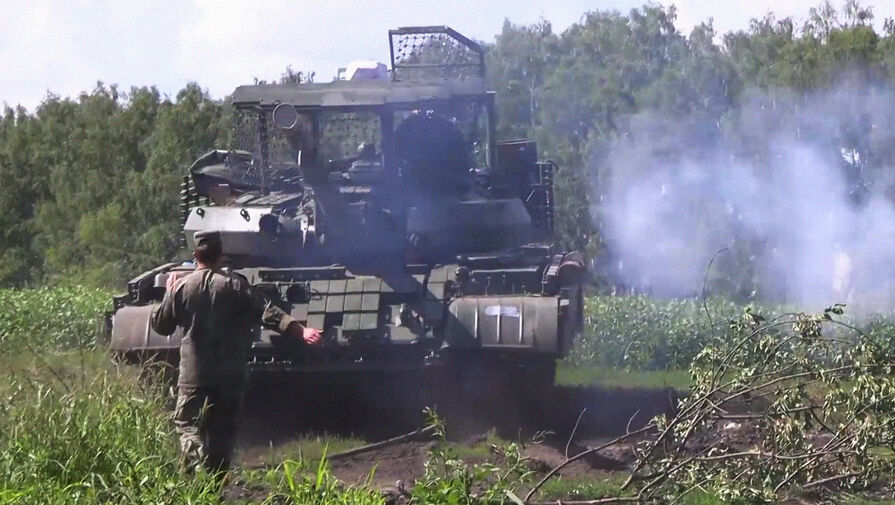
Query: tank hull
point(397, 322)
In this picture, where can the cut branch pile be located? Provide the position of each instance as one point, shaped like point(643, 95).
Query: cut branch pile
point(798, 404)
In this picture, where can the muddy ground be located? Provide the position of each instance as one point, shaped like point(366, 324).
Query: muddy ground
point(276, 413)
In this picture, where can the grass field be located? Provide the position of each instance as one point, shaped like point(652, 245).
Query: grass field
point(568, 374)
point(79, 428)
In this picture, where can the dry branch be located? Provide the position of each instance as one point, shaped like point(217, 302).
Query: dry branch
point(429, 430)
point(582, 454)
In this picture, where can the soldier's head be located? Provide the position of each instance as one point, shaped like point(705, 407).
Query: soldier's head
point(208, 249)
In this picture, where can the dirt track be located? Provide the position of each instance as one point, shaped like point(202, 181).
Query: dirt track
point(374, 410)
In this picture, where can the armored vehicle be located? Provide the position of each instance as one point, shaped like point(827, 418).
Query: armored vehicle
point(381, 209)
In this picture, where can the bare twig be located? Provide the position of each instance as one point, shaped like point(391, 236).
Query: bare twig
point(630, 421)
point(599, 501)
point(828, 480)
point(705, 303)
point(574, 430)
point(582, 454)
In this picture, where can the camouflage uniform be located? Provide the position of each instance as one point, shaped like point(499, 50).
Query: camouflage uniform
point(217, 312)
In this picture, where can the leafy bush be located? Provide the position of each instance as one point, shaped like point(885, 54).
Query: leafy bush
point(51, 318)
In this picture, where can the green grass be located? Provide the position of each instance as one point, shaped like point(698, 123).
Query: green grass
point(302, 483)
point(608, 486)
point(480, 450)
point(702, 498)
point(582, 488)
point(79, 429)
point(51, 318)
point(642, 333)
point(310, 448)
point(569, 374)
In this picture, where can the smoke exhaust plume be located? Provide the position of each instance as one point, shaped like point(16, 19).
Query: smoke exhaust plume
point(798, 188)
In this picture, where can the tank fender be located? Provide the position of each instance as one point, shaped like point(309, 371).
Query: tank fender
point(132, 332)
point(507, 322)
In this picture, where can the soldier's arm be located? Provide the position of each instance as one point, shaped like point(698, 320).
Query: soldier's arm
point(274, 318)
point(165, 316)
point(271, 316)
point(262, 309)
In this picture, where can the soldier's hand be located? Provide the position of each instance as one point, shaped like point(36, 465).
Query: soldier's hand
point(171, 282)
point(311, 336)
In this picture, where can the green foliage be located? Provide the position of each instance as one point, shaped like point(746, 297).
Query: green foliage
point(798, 402)
point(640, 333)
point(51, 318)
point(88, 187)
point(291, 483)
point(79, 430)
point(569, 374)
point(643, 333)
point(309, 449)
point(448, 480)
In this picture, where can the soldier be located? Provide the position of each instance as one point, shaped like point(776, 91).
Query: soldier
point(217, 311)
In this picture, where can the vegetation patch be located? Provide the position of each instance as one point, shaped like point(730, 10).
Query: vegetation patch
point(309, 449)
point(51, 318)
point(79, 429)
point(568, 374)
point(643, 333)
point(298, 483)
point(583, 488)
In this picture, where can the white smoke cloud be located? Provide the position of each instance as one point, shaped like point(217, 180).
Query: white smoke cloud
point(798, 189)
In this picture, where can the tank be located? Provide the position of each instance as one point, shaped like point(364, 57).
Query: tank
point(383, 211)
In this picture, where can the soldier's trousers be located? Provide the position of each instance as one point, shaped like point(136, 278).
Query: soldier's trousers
point(206, 419)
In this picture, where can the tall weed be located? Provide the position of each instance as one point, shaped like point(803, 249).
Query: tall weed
point(643, 333)
point(51, 318)
point(293, 484)
point(91, 434)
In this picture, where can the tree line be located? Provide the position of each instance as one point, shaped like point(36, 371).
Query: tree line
point(89, 185)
